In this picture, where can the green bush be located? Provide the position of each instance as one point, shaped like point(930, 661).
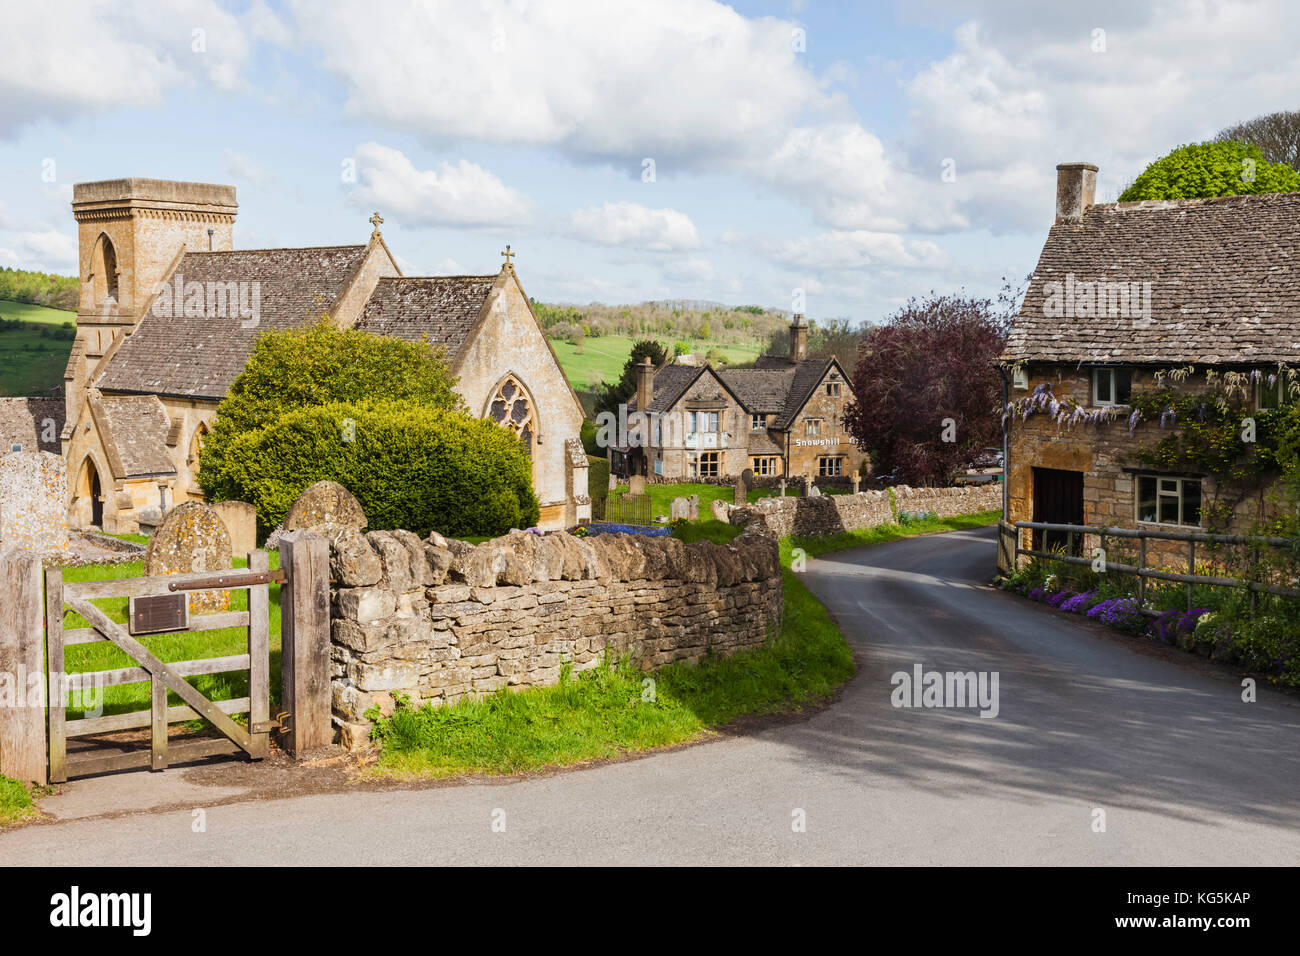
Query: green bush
point(409, 465)
point(597, 477)
point(1203, 170)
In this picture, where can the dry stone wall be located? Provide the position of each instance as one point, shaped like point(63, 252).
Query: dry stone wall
point(830, 514)
point(33, 489)
point(438, 620)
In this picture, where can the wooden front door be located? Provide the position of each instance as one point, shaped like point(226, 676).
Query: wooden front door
point(1058, 499)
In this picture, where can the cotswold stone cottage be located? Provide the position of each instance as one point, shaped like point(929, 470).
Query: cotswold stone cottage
point(170, 310)
point(785, 416)
point(1130, 298)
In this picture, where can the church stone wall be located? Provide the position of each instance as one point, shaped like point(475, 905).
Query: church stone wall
point(511, 342)
point(437, 624)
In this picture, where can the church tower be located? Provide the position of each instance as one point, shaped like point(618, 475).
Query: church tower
point(129, 234)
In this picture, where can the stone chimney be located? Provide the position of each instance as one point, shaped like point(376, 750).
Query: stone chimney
point(645, 385)
point(798, 339)
point(1076, 190)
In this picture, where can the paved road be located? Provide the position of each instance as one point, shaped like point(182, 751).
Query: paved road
point(1186, 772)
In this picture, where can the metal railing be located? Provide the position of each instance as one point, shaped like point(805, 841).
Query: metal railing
point(1143, 572)
point(623, 509)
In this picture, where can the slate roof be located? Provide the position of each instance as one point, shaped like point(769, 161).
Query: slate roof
point(761, 443)
point(137, 428)
point(806, 376)
point(761, 391)
point(1224, 274)
point(22, 422)
point(201, 357)
point(441, 308)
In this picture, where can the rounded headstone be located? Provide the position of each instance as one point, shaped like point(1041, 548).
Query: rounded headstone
point(241, 521)
point(192, 538)
point(326, 504)
point(720, 509)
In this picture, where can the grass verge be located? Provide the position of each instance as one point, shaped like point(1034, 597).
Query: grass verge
point(16, 804)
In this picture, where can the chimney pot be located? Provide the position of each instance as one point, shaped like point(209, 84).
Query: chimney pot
point(1076, 190)
point(798, 339)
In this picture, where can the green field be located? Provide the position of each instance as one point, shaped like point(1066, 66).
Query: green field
point(603, 357)
point(31, 359)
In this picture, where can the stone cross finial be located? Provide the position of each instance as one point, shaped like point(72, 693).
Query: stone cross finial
point(375, 221)
point(509, 255)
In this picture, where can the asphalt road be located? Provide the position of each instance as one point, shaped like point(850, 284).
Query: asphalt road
point(1185, 772)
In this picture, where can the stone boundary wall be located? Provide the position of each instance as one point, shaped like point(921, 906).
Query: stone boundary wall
point(33, 492)
point(830, 514)
point(439, 620)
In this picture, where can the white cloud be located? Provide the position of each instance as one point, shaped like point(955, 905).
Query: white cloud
point(634, 226)
point(49, 250)
point(857, 249)
point(242, 167)
point(463, 194)
point(689, 270)
point(62, 58)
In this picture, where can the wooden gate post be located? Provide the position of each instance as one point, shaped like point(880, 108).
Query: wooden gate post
point(305, 640)
point(22, 667)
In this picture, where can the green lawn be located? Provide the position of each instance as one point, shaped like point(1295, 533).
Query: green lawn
point(31, 359)
point(603, 357)
point(16, 804)
point(184, 646)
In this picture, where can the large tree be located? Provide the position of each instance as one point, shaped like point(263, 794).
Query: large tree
point(1276, 134)
point(1204, 170)
point(926, 389)
point(614, 394)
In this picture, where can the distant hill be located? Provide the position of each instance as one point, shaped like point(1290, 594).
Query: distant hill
point(668, 320)
point(39, 288)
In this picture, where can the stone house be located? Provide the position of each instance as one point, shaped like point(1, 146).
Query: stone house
point(170, 311)
point(783, 417)
point(1132, 298)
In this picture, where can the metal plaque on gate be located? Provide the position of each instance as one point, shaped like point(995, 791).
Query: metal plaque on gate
point(162, 612)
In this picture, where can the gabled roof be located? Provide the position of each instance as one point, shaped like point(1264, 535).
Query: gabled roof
point(1224, 280)
point(134, 431)
point(806, 376)
point(670, 382)
point(199, 357)
point(441, 308)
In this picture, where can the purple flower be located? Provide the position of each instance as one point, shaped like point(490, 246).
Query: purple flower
point(1078, 603)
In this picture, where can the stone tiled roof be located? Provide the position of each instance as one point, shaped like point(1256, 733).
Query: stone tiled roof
point(136, 433)
point(669, 384)
point(761, 443)
point(441, 308)
point(806, 376)
point(22, 422)
point(1224, 275)
point(200, 357)
point(763, 391)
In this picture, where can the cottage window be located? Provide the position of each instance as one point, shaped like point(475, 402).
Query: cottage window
point(1162, 500)
point(1111, 386)
point(764, 466)
point(813, 427)
point(830, 467)
point(1271, 396)
point(757, 422)
point(704, 421)
point(833, 389)
point(704, 465)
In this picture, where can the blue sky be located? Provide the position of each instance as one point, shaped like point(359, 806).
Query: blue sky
point(472, 124)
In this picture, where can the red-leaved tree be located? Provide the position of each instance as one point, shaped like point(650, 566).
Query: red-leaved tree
point(927, 393)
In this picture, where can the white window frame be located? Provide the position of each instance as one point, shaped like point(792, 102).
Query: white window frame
point(812, 427)
point(764, 465)
point(833, 389)
point(1282, 398)
point(830, 466)
point(1109, 373)
point(1167, 486)
point(757, 422)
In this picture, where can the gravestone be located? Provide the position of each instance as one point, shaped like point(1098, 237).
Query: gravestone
point(812, 491)
point(241, 521)
point(148, 520)
point(636, 485)
point(856, 479)
point(324, 506)
point(679, 508)
point(695, 507)
point(781, 487)
point(613, 482)
point(191, 538)
point(720, 509)
point(741, 495)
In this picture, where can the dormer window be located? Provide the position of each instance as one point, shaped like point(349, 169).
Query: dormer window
point(1111, 386)
point(757, 422)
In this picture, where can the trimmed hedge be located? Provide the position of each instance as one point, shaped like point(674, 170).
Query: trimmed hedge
point(597, 477)
point(410, 466)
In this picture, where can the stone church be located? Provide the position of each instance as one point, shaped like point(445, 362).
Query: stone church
point(170, 310)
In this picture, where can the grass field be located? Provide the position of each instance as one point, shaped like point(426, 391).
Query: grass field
point(32, 364)
point(603, 357)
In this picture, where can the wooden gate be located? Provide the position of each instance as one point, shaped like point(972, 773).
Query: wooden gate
point(61, 596)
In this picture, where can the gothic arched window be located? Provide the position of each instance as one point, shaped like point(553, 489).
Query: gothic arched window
point(512, 408)
point(103, 270)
